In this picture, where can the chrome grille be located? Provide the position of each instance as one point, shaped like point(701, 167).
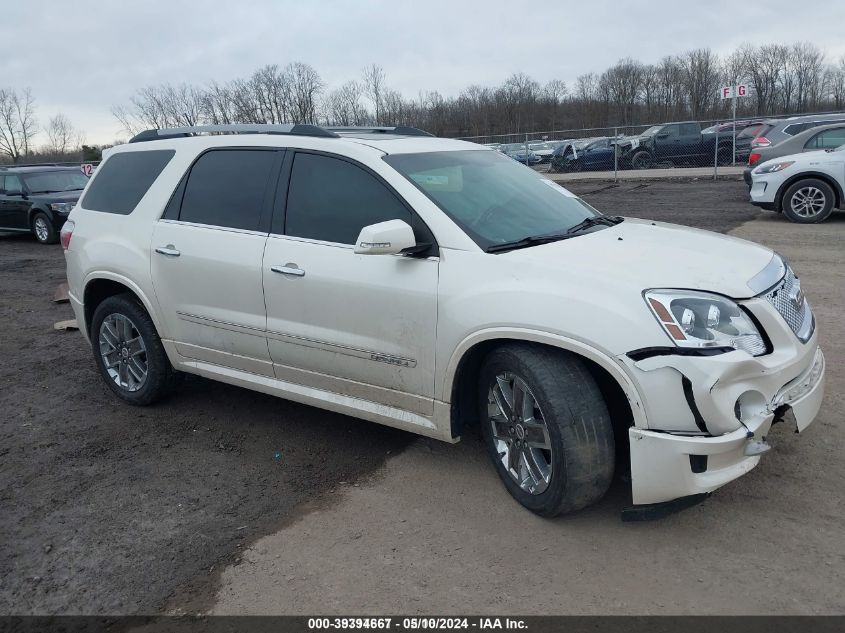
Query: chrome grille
point(788, 299)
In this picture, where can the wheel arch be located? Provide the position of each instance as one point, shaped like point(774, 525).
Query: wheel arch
point(839, 195)
point(39, 209)
point(101, 285)
point(460, 380)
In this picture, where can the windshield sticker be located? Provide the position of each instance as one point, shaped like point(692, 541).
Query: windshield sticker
point(430, 179)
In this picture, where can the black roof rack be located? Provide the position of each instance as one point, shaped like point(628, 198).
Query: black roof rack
point(398, 130)
point(297, 129)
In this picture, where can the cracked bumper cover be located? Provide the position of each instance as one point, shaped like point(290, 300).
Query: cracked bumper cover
point(661, 469)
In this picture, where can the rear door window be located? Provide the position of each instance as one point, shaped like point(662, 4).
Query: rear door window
point(121, 182)
point(829, 139)
point(228, 188)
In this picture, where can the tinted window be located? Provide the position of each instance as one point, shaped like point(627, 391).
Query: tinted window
point(689, 129)
point(332, 200)
point(123, 179)
point(227, 187)
point(828, 139)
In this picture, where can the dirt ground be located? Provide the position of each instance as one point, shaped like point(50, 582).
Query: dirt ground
point(228, 501)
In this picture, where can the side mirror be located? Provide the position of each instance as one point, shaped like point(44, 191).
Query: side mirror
point(663, 135)
point(385, 238)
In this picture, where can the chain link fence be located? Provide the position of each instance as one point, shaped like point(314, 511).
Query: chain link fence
point(703, 144)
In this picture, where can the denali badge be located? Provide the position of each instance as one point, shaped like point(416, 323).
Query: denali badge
point(393, 360)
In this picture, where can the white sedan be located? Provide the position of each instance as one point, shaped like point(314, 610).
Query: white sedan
point(806, 187)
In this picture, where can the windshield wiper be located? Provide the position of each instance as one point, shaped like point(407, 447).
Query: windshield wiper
point(588, 223)
point(534, 240)
point(531, 240)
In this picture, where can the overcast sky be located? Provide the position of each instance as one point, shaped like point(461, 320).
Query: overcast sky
point(80, 58)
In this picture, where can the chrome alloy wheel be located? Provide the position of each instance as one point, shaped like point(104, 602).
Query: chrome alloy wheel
point(808, 202)
point(123, 351)
point(520, 434)
point(42, 231)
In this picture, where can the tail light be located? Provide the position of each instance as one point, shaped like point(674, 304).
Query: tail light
point(761, 141)
point(753, 159)
point(67, 233)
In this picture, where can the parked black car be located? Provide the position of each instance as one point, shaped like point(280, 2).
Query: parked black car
point(37, 199)
point(675, 144)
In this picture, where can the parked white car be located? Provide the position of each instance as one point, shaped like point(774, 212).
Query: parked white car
point(430, 285)
point(805, 187)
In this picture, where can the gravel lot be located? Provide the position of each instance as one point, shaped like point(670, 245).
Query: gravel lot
point(110, 509)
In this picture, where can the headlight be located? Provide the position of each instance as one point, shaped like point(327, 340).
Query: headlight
point(771, 168)
point(701, 319)
point(62, 207)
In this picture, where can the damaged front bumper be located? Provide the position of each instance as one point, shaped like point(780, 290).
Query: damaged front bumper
point(670, 465)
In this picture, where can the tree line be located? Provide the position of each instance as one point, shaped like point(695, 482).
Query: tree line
point(783, 79)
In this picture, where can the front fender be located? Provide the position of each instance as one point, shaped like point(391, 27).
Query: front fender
point(603, 360)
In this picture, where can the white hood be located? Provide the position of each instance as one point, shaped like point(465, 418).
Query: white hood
point(642, 254)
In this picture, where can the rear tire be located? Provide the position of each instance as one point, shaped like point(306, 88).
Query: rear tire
point(43, 229)
point(808, 201)
point(555, 453)
point(128, 352)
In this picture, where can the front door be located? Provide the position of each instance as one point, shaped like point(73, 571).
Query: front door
point(13, 207)
point(207, 257)
point(358, 325)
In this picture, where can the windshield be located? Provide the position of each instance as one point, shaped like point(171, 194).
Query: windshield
point(654, 129)
point(51, 181)
point(492, 198)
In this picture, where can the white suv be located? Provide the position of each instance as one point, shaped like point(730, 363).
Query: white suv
point(805, 187)
point(429, 284)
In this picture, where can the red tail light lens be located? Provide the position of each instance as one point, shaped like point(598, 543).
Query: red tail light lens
point(753, 159)
point(67, 233)
point(761, 141)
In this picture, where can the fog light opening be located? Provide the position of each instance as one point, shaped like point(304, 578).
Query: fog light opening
point(750, 407)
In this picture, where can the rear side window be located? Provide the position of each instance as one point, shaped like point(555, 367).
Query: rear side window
point(331, 199)
point(123, 180)
point(829, 139)
point(227, 188)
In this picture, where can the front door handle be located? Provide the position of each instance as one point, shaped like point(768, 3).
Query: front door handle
point(289, 269)
point(168, 250)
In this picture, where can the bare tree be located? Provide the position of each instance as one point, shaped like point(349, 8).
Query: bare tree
point(62, 137)
point(374, 80)
point(18, 125)
point(700, 70)
point(305, 88)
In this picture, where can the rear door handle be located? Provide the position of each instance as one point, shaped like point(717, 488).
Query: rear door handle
point(168, 250)
point(289, 269)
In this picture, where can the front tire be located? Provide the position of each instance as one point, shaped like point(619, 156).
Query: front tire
point(43, 229)
point(641, 160)
point(546, 428)
point(129, 353)
point(808, 201)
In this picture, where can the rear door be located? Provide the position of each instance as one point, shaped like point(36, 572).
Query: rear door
point(358, 325)
point(206, 257)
